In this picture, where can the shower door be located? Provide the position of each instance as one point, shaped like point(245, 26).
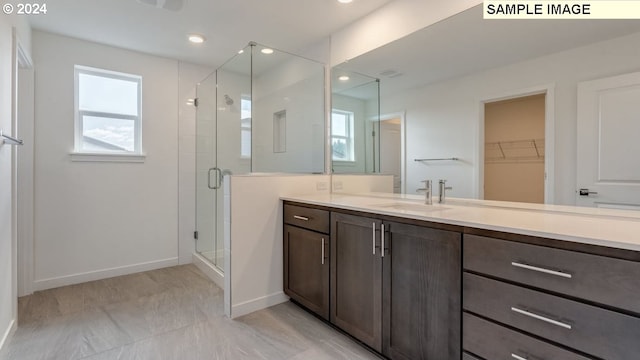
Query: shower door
point(207, 183)
point(223, 148)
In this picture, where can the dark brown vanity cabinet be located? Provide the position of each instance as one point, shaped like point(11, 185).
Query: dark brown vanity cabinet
point(306, 257)
point(576, 304)
point(396, 287)
point(356, 277)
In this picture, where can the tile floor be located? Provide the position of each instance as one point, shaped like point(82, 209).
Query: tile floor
point(171, 313)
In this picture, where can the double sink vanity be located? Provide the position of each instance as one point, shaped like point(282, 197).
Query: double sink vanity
point(467, 279)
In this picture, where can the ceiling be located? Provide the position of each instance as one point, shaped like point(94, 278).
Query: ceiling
point(144, 25)
point(465, 43)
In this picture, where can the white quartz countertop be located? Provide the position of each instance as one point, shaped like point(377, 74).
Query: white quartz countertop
point(605, 227)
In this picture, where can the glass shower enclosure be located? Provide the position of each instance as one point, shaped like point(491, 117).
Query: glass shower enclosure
point(261, 111)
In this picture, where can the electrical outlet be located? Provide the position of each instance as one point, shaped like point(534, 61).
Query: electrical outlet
point(337, 185)
point(321, 185)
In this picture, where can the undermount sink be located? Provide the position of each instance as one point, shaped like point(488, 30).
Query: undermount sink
point(411, 207)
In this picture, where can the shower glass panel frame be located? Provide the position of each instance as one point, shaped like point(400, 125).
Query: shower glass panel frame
point(235, 127)
point(358, 95)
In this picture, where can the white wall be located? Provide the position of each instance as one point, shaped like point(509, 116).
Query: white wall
point(391, 22)
point(7, 260)
point(8, 231)
point(95, 220)
point(361, 183)
point(443, 120)
point(254, 277)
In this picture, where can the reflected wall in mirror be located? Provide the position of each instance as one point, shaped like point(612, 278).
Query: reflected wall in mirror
point(287, 113)
point(355, 114)
point(442, 76)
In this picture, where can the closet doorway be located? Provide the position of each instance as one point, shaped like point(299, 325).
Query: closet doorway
point(514, 149)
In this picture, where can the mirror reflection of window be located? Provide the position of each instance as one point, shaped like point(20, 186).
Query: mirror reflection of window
point(245, 127)
point(342, 135)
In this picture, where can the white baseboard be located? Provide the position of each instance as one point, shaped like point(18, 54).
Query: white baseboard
point(102, 274)
point(260, 303)
point(7, 333)
point(185, 259)
point(214, 274)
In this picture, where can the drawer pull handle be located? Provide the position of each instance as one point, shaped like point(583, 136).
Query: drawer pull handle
point(539, 317)
point(518, 357)
point(542, 270)
point(373, 238)
point(382, 240)
point(303, 218)
point(322, 262)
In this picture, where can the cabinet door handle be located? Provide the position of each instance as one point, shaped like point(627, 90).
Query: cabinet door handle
point(322, 262)
point(518, 357)
point(373, 238)
point(542, 270)
point(382, 239)
point(303, 218)
point(540, 317)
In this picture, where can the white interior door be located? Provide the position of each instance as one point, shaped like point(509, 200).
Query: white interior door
point(608, 167)
point(390, 151)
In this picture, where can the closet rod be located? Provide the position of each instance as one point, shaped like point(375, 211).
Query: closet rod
point(10, 140)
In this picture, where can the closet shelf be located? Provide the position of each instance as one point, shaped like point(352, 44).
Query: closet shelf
point(530, 150)
point(438, 159)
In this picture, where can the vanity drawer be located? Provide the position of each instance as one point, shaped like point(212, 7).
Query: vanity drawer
point(492, 341)
point(308, 218)
point(595, 278)
point(592, 330)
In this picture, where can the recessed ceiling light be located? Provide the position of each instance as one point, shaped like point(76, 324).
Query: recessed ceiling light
point(196, 38)
point(267, 51)
point(240, 52)
point(343, 78)
point(344, 1)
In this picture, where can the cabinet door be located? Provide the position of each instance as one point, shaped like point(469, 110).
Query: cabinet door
point(306, 268)
point(356, 277)
point(421, 293)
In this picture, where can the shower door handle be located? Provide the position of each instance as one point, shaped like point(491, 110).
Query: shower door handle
point(209, 178)
point(218, 176)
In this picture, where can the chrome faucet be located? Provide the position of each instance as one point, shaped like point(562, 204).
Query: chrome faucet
point(443, 189)
point(427, 192)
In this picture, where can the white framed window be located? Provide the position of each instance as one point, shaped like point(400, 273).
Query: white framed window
point(108, 112)
point(342, 140)
point(245, 127)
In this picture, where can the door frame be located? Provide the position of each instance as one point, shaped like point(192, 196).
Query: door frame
point(403, 145)
point(549, 136)
point(23, 169)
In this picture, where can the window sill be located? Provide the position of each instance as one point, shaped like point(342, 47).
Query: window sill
point(105, 157)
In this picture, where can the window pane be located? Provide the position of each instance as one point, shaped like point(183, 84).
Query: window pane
point(340, 150)
point(339, 124)
point(107, 134)
point(104, 94)
point(245, 143)
point(245, 108)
